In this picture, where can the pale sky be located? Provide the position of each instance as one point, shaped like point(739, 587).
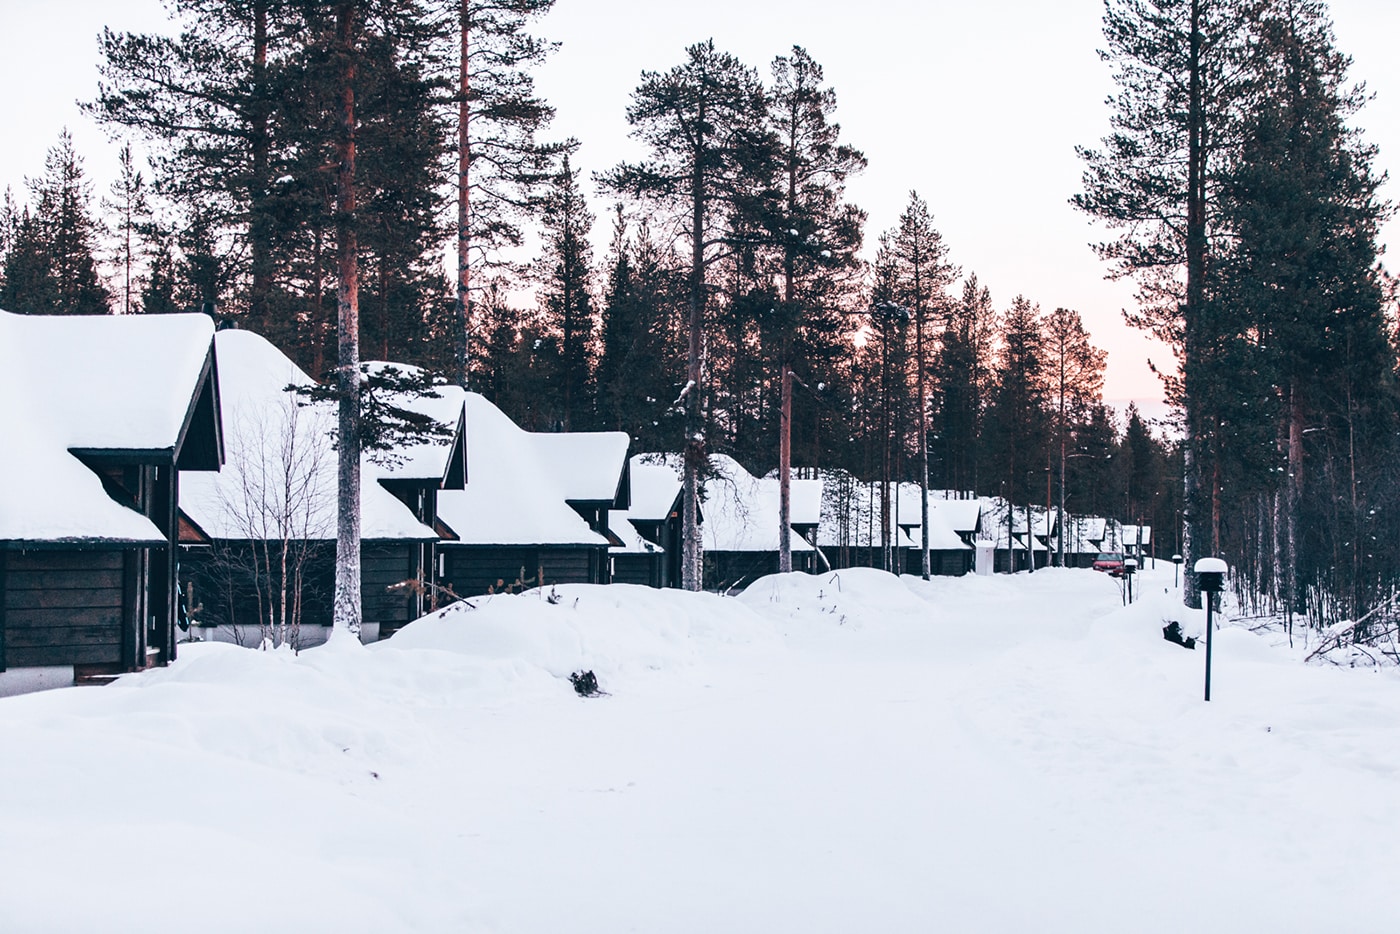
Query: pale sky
point(977, 106)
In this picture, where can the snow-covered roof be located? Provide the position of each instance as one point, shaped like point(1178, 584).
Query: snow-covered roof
point(427, 460)
point(511, 498)
point(656, 482)
point(588, 466)
point(620, 525)
point(280, 474)
point(851, 514)
point(741, 510)
point(1137, 534)
point(86, 382)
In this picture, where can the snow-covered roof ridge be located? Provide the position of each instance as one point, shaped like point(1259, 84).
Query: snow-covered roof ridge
point(89, 383)
point(511, 497)
point(589, 466)
point(280, 474)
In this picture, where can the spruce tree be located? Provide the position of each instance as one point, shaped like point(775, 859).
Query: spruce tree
point(565, 274)
point(702, 123)
point(51, 264)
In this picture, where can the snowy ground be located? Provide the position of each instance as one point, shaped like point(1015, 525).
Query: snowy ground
point(838, 753)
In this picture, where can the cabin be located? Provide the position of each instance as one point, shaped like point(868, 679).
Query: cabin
point(655, 510)
point(592, 470)
point(647, 534)
point(258, 546)
point(740, 531)
point(954, 524)
point(1084, 539)
point(100, 418)
point(513, 527)
point(851, 531)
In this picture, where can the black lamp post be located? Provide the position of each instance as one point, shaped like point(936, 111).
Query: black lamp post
point(1129, 569)
point(1210, 577)
point(1176, 571)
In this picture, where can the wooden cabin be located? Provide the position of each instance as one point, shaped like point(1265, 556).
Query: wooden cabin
point(655, 513)
point(851, 532)
point(740, 531)
point(592, 471)
point(100, 417)
point(276, 500)
point(512, 527)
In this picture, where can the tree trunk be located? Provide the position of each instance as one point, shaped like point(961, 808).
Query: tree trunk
point(1195, 290)
point(461, 318)
point(347, 607)
point(691, 548)
point(259, 226)
point(785, 473)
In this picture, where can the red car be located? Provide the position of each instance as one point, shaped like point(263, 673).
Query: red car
point(1111, 562)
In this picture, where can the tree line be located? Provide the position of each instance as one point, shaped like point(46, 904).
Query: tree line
point(732, 310)
point(1249, 210)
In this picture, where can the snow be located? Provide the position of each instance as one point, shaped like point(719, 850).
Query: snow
point(512, 496)
point(587, 466)
point(279, 476)
point(429, 459)
point(833, 753)
point(656, 482)
point(122, 382)
point(741, 511)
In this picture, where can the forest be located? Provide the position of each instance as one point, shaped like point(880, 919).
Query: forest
point(740, 305)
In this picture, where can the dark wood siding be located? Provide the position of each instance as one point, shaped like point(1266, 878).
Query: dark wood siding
point(473, 570)
point(383, 564)
point(62, 608)
point(644, 569)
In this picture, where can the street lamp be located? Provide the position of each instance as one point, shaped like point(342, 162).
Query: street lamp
point(1210, 577)
point(1176, 571)
point(1129, 568)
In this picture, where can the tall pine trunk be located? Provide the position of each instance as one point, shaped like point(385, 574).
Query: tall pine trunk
point(691, 551)
point(461, 318)
point(347, 542)
point(1195, 291)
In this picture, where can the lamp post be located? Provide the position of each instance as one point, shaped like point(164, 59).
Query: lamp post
point(1129, 569)
point(1210, 577)
point(1176, 571)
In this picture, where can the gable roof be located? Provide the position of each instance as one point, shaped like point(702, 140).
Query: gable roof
point(89, 385)
point(656, 483)
point(511, 498)
point(441, 462)
point(281, 474)
point(588, 466)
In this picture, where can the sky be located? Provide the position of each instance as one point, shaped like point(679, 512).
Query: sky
point(976, 106)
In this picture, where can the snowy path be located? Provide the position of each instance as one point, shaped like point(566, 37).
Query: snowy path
point(820, 754)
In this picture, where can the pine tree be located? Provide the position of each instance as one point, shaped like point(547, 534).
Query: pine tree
point(51, 264)
point(1075, 371)
point(961, 368)
point(501, 165)
point(1173, 123)
point(205, 99)
point(816, 233)
point(643, 346)
point(702, 122)
point(921, 274)
point(127, 200)
point(565, 273)
point(1018, 414)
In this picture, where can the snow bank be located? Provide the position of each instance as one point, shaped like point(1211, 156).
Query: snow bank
point(824, 753)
